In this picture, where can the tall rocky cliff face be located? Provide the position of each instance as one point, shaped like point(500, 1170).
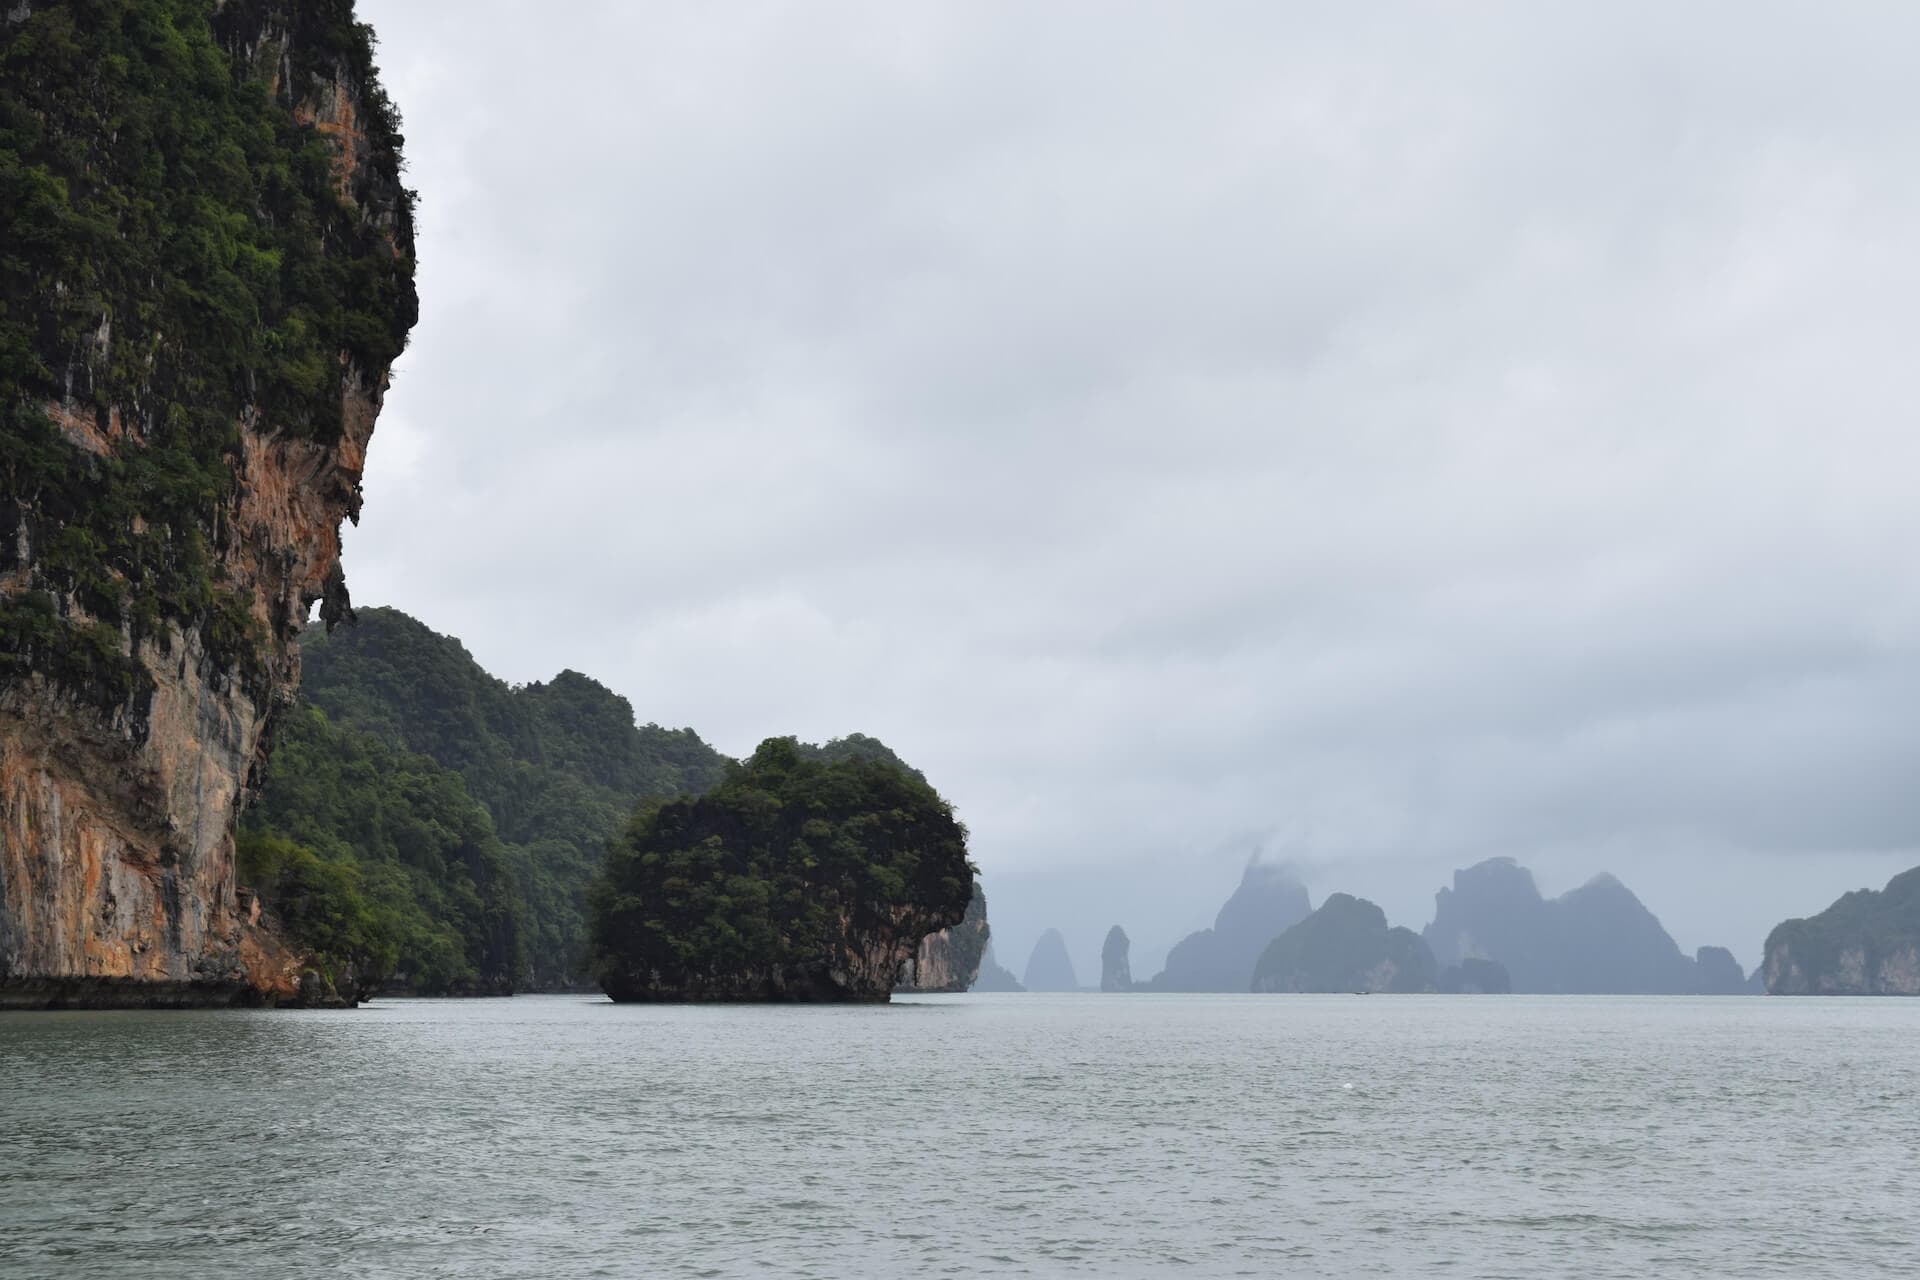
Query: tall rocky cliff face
point(949, 960)
point(205, 275)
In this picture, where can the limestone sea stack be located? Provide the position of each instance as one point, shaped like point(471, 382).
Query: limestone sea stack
point(1116, 974)
point(1048, 966)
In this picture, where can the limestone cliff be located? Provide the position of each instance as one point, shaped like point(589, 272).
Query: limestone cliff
point(206, 273)
point(1116, 971)
point(1866, 944)
point(949, 961)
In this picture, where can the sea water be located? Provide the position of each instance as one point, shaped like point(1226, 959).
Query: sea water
point(1019, 1135)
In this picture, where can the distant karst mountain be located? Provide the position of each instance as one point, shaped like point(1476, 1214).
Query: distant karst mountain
point(1866, 944)
point(1116, 973)
point(1049, 968)
point(1268, 901)
point(1717, 973)
point(1476, 977)
point(1345, 946)
point(993, 976)
point(1597, 939)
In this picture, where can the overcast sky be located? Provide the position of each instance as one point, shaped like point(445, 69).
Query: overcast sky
point(1380, 436)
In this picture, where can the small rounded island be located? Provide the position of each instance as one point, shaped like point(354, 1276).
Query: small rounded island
point(795, 879)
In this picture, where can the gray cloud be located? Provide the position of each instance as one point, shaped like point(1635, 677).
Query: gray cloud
point(1388, 436)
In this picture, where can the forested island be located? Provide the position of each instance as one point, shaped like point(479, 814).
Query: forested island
point(465, 818)
point(794, 879)
point(206, 275)
point(1866, 944)
point(426, 828)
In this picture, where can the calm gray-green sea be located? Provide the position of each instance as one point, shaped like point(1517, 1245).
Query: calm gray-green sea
point(972, 1135)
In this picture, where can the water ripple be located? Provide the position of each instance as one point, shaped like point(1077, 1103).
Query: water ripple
point(967, 1136)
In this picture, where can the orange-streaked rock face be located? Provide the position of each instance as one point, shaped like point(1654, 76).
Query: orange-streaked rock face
point(117, 882)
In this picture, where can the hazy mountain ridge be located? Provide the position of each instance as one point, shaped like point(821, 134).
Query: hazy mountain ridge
point(1492, 932)
point(1346, 945)
point(1598, 939)
point(1267, 901)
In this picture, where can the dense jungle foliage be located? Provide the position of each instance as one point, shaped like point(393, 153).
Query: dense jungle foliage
point(559, 766)
point(427, 824)
point(174, 254)
point(765, 885)
point(380, 863)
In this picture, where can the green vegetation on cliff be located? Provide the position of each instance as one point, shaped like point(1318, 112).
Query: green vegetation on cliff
point(379, 862)
point(794, 878)
point(176, 256)
point(1867, 943)
point(560, 766)
point(440, 827)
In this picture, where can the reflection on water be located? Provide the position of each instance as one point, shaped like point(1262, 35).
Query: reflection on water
point(967, 1135)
